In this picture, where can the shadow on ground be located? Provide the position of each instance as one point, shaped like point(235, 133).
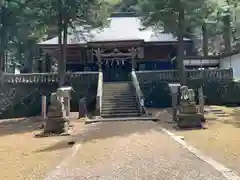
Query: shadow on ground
point(104, 130)
point(58, 146)
point(22, 126)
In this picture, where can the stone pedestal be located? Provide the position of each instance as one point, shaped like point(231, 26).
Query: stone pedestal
point(56, 121)
point(174, 87)
point(190, 120)
point(188, 117)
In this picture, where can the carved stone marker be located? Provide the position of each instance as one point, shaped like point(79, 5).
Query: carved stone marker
point(188, 117)
point(65, 93)
point(56, 121)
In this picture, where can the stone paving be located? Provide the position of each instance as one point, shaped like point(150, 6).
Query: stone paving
point(131, 151)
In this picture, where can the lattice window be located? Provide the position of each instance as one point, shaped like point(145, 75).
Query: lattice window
point(142, 66)
point(86, 68)
point(140, 52)
point(90, 55)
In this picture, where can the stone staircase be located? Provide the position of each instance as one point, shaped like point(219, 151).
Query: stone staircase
point(119, 100)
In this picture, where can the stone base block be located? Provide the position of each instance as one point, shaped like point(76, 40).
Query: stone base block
point(190, 120)
point(55, 108)
point(56, 114)
point(56, 125)
point(189, 109)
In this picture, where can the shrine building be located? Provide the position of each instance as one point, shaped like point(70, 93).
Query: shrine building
point(118, 48)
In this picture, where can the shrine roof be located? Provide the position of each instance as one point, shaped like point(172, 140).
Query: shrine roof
point(118, 29)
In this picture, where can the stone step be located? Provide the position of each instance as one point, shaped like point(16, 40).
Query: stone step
point(119, 98)
point(133, 98)
point(216, 110)
point(127, 92)
point(118, 94)
point(117, 84)
point(107, 115)
point(219, 113)
point(223, 115)
point(132, 107)
point(117, 90)
point(119, 103)
point(117, 87)
point(113, 108)
point(120, 110)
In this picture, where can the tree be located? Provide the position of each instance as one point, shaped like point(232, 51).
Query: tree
point(85, 13)
point(26, 22)
point(175, 17)
point(22, 26)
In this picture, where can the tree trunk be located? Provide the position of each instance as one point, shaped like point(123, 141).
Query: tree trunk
point(3, 39)
point(227, 33)
point(60, 44)
point(65, 34)
point(205, 39)
point(180, 53)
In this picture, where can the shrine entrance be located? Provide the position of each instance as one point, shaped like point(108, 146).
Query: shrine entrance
point(116, 65)
point(116, 69)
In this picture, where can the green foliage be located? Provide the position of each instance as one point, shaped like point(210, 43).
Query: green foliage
point(165, 14)
point(23, 23)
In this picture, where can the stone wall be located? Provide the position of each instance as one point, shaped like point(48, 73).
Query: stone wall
point(218, 87)
point(29, 89)
point(219, 92)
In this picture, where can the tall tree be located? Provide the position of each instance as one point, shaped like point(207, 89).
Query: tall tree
point(81, 13)
point(174, 16)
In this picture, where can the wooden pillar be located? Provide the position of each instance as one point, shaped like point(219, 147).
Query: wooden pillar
point(44, 107)
point(99, 59)
point(133, 52)
point(67, 106)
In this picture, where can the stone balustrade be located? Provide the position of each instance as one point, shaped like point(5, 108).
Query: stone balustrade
point(164, 75)
point(172, 75)
point(29, 78)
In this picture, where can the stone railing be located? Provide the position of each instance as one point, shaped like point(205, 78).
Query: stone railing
point(99, 92)
point(172, 75)
point(139, 94)
point(30, 78)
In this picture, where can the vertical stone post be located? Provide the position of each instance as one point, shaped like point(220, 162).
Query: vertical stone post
point(174, 106)
point(67, 105)
point(174, 87)
point(44, 107)
point(201, 100)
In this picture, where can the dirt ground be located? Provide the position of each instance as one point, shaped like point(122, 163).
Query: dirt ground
point(220, 139)
point(23, 156)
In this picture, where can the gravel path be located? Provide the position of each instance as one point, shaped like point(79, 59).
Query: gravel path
point(132, 151)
